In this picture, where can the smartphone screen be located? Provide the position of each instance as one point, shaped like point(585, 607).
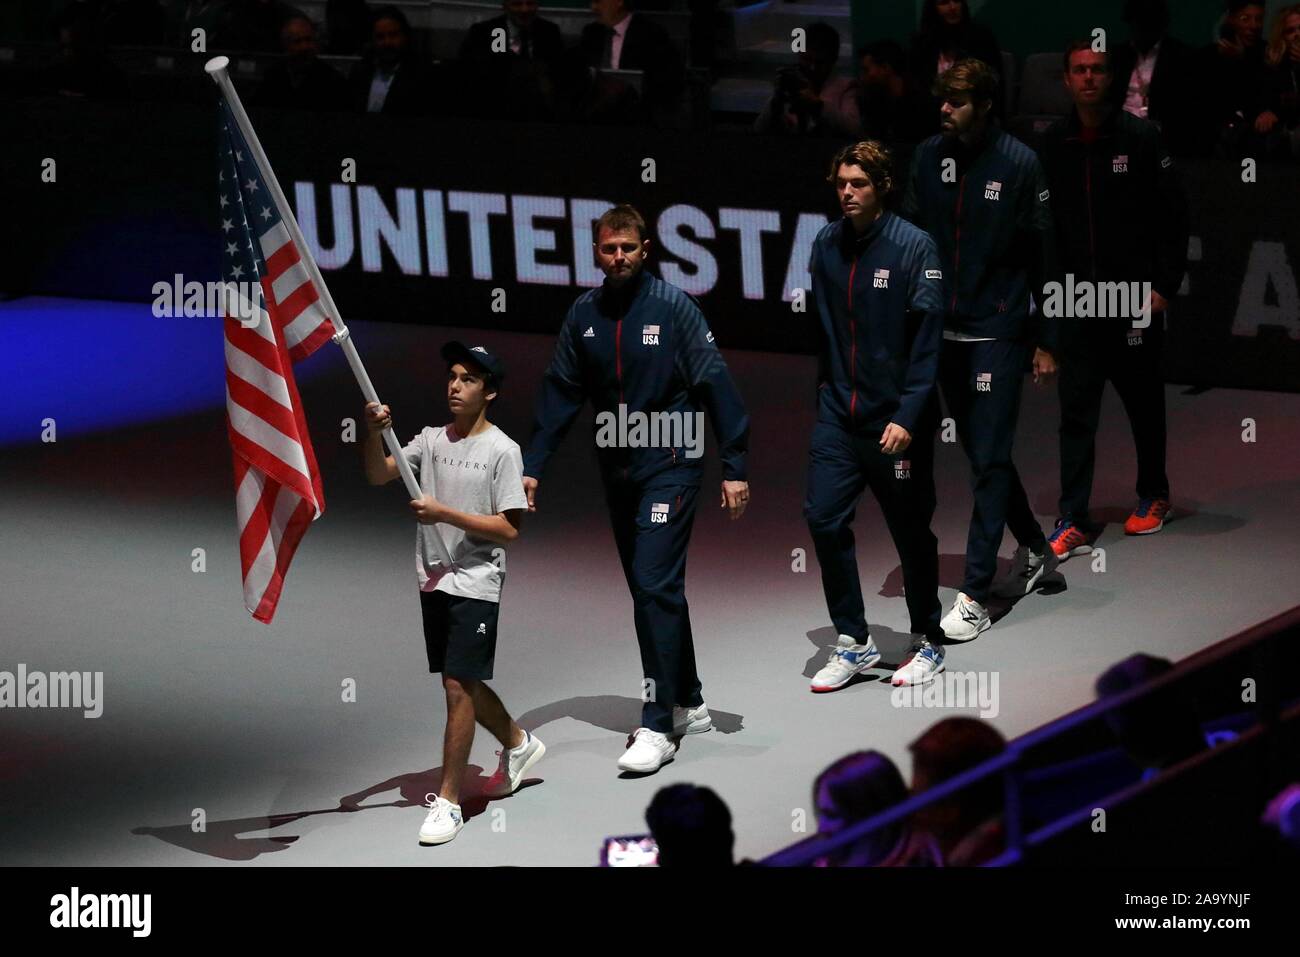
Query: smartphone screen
point(639, 850)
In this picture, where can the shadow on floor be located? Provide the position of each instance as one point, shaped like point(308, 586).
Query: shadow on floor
point(226, 840)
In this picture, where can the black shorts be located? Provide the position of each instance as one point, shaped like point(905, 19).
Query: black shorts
point(460, 634)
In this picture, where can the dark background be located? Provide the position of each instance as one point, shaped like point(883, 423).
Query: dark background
point(135, 202)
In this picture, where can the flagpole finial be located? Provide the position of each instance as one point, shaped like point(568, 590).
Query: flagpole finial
point(217, 64)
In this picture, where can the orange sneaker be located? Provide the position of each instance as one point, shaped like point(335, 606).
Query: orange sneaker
point(1148, 517)
point(1069, 539)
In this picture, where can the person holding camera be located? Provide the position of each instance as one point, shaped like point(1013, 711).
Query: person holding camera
point(808, 99)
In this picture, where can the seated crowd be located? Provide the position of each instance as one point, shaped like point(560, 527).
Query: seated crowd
point(1237, 96)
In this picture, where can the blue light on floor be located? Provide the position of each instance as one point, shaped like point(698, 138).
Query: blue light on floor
point(95, 366)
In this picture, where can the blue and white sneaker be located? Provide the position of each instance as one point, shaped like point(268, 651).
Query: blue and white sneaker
point(922, 663)
point(847, 659)
point(965, 620)
point(442, 823)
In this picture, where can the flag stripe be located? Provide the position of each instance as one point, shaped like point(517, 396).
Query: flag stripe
point(268, 437)
point(262, 407)
point(240, 364)
point(288, 280)
point(278, 489)
point(294, 303)
point(309, 321)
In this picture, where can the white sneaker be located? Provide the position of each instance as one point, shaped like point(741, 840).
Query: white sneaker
point(512, 765)
point(691, 720)
point(442, 823)
point(966, 619)
point(1027, 567)
point(847, 659)
point(650, 751)
point(922, 663)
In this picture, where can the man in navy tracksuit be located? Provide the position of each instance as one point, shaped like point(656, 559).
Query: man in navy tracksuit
point(983, 196)
point(638, 347)
point(1121, 218)
point(878, 288)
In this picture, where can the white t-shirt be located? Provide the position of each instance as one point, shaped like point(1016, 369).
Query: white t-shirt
point(481, 474)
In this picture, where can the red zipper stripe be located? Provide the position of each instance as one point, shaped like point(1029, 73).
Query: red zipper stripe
point(956, 244)
point(618, 357)
point(853, 345)
point(1092, 239)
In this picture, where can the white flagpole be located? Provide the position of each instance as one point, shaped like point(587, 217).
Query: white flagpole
point(217, 69)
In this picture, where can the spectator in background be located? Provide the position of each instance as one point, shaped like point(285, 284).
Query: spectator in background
point(968, 825)
point(808, 98)
point(707, 21)
point(692, 827)
point(948, 34)
point(1159, 729)
point(527, 36)
point(1234, 73)
point(621, 39)
point(855, 788)
point(301, 81)
point(1152, 73)
point(186, 16)
point(512, 60)
point(890, 109)
point(347, 27)
point(390, 78)
point(1279, 121)
point(1281, 822)
point(253, 25)
point(82, 69)
point(133, 23)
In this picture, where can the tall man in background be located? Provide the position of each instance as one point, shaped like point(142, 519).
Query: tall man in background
point(1120, 218)
point(983, 197)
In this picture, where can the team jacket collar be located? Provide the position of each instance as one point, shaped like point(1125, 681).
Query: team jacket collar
point(1074, 126)
point(851, 243)
point(953, 146)
point(617, 302)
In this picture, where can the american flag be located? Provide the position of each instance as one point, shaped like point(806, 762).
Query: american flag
point(278, 489)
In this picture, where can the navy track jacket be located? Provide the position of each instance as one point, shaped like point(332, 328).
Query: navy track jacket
point(879, 300)
point(992, 221)
point(1120, 211)
point(646, 346)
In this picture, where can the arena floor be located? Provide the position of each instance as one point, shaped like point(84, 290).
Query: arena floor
point(205, 708)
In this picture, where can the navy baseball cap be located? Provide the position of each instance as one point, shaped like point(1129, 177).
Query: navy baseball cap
point(475, 355)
